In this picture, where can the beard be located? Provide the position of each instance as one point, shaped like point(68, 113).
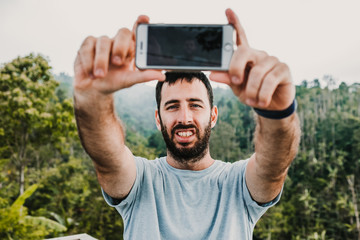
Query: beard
point(185, 155)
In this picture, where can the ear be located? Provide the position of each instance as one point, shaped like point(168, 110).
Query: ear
point(214, 116)
point(157, 120)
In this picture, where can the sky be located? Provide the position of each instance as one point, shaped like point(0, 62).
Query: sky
point(314, 37)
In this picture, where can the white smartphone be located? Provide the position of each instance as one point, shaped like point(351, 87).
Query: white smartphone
point(184, 47)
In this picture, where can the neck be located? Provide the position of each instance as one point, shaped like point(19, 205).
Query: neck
point(192, 164)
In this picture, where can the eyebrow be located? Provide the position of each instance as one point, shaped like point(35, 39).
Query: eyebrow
point(171, 102)
point(188, 100)
point(194, 100)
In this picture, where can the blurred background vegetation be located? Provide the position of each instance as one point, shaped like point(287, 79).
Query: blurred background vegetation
point(48, 186)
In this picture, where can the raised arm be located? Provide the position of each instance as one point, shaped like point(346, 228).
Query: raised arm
point(102, 67)
point(263, 82)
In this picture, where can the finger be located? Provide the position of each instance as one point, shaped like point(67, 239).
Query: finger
point(220, 77)
point(124, 79)
point(149, 75)
point(79, 71)
point(256, 77)
point(82, 80)
point(277, 78)
point(242, 59)
point(130, 57)
point(131, 78)
point(240, 32)
point(140, 19)
point(121, 46)
point(102, 56)
point(85, 59)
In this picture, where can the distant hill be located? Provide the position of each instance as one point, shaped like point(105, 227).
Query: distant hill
point(65, 83)
point(136, 105)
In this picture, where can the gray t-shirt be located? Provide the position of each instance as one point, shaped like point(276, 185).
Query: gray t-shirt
point(169, 203)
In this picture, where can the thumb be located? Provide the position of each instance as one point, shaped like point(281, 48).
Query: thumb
point(148, 75)
point(120, 80)
point(220, 77)
point(135, 77)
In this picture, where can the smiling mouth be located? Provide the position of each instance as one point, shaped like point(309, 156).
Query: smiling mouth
point(184, 133)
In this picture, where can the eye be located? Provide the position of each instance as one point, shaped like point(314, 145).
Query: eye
point(194, 105)
point(171, 107)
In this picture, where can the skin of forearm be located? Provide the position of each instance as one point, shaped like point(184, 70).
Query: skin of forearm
point(100, 131)
point(276, 145)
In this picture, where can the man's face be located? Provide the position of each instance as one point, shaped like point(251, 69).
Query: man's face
point(186, 119)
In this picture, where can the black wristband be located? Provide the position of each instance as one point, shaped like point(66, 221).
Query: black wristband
point(277, 114)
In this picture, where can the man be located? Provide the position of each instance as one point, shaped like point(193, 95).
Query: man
point(187, 194)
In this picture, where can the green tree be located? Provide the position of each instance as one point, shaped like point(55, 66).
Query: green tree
point(15, 223)
point(70, 194)
point(321, 196)
point(31, 115)
point(156, 141)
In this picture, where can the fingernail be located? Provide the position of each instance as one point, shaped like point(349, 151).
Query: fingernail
point(262, 104)
point(250, 102)
point(99, 73)
point(116, 60)
point(235, 80)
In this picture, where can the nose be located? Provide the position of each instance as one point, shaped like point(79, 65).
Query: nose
point(185, 116)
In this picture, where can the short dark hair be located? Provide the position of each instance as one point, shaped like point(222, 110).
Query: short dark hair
point(172, 77)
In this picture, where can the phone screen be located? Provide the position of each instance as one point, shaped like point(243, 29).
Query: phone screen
point(184, 46)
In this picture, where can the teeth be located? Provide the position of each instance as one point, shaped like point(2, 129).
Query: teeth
point(185, 134)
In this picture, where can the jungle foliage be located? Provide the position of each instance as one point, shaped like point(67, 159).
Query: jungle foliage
point(48, 186)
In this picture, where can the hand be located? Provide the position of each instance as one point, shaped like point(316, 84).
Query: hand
point(257, 79)
point(105, 65)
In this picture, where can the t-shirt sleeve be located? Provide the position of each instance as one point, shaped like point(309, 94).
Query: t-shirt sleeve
point(134, 190)
point(254, 209)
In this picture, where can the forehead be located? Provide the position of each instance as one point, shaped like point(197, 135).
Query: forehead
point(182, 90)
